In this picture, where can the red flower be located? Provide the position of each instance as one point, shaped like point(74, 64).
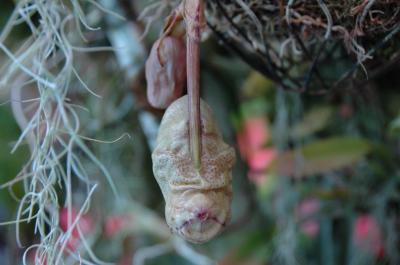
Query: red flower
point(32, 259)
point(367, 235)
point(252, 139)
point(253, 136)
point(85, 224)
point(259, 178)
point(305, 211)
point(261, 159)
point(114, 224)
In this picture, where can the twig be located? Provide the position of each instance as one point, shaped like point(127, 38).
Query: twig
point(328, 18)
point(388, 37)
point(194, 17)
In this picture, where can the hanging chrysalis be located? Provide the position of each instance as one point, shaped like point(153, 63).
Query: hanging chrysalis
point(197, 200)
point(191, 162)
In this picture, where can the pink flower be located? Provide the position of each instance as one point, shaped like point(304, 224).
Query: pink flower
point(261, 159)
point(85, 224)
point(252, 139)
point(36, 260)
point(114, 224)
point(307, 207)
point(310, 228)
point(259, 178)
point(367, 235)
point(253, 136)
point(304, 212)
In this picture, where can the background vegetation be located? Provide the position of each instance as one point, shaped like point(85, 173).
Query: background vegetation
point(317, 179)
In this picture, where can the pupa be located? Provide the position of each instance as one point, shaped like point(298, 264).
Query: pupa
point(197, 200)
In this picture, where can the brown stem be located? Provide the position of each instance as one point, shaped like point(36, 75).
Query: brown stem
point(194, 16)
point(193, 73)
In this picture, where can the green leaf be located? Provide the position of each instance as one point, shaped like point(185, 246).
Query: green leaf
point(255, 247)
point(254, 107)
point(256, 85)
point(268, 188)
point(10, 164)
point(321, 156)
point(315, 120)
point(394, 127)
point(254, 242)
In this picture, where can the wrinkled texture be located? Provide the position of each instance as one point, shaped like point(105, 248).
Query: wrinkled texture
point(197, 202)
point(166, 71)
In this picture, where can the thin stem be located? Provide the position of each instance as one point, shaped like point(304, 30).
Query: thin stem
point(193, 84)
point(194, 16)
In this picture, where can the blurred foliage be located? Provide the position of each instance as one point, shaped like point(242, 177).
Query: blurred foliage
point(314, 120)
point(321, 185)
point(321, 157)
point(10, 164)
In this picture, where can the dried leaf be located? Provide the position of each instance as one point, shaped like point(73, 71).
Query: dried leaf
point(166, 71)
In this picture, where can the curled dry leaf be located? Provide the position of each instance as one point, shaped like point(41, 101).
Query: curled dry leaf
point(166, 71)
point(197, 201)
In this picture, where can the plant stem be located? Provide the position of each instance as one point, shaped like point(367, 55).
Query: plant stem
point(194, 16)
point(193, 85)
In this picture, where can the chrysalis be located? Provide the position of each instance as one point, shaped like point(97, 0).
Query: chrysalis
point(166, 71)
point(197, 201)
